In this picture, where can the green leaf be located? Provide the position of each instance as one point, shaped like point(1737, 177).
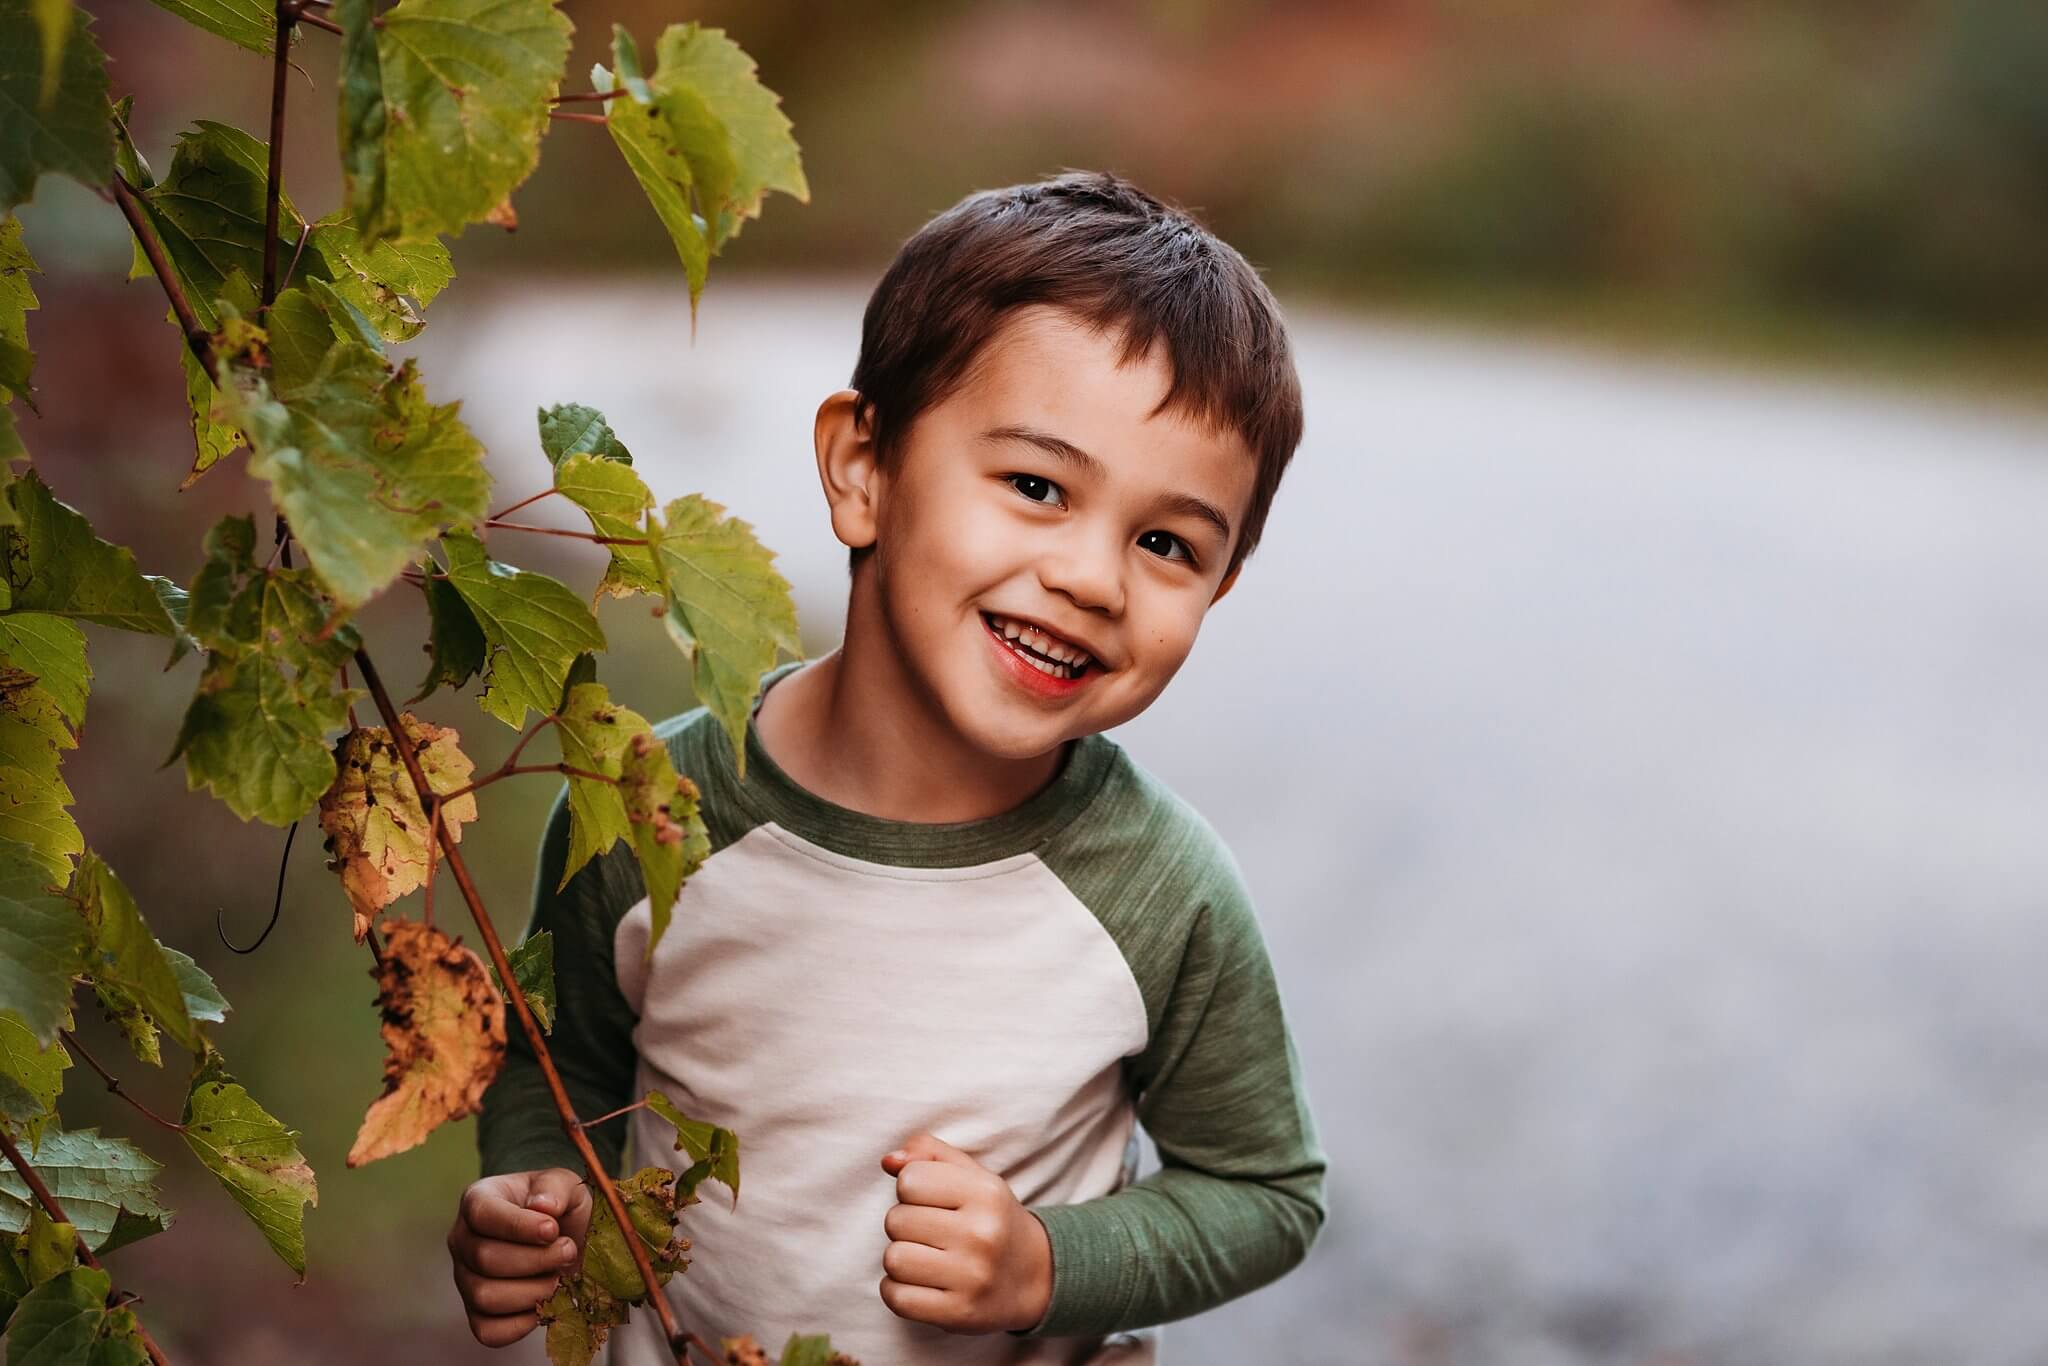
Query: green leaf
point(465, 87)
point(119, 1342)
point(254, 1156)
point(714, 1152)
point(246, 23)
point(534, 625)
point(105, 1185)
point(254, 733)
point(50, 652)
point(814, 1349)
point(203, 1000)
point(208, 211)
point(58, 1321)
point(728, 609)
point(594, 732)
point(728, 125)
point(669, 837)
point(568, 428)
point(33, 815)
point(68, 134)
point(42, 943)
point(389, 281)
point(212, 439)
point(128, 160)
point(533, 970)
point(17, 298)
point(657, 163)
point(456, 642)
point(46, 1247)
point(363, 116)
point(56, 564)
point(53, 17)
point(616, 501)
point(134, 976)
point(363, 466)
point(651, 1204)
point(31, 1076)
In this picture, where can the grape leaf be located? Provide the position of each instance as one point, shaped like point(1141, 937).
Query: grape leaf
point(389, 281)
point(57, 1322)
point(254, 734)
point(128, 159)
point(56, 564)
point(637, 130)
point(31, 1076)
point(360, 463)
point(69, 134)
point(533, 971)
point(213, 440)
point(616, 501)
point(43, 677)
point(594, 731)
point(456, 642)
point(246, 23)
point(728, 609)
point(714, 1152)
point(363, 115)
point(133, 975)
point(465, 89)
point(535, 627)
point(588, 1304)
point(444, 1027)
point(203, 1000)
point(50, 650)
point(42, 943)
point(668, 833)
point(377, 836)
point(568, 428)
point(46, 1247)
point(53, 17)
point(106, 1186)
point(17, 298)
point(253, 1156)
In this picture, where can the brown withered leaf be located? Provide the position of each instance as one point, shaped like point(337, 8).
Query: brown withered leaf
point(444, 1029)
point(744, 1351)
point(376, 827)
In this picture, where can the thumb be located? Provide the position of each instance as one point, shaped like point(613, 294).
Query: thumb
point(561, 1192)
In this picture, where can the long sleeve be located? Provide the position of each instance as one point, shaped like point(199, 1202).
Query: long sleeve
point(1239, 1198)
point(592, 1042)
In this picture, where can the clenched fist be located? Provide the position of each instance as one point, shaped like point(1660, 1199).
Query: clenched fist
point(963, 1255)
point(513, 1237)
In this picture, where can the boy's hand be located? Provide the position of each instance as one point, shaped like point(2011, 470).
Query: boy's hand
point(965, 1255)
point(514, 1234)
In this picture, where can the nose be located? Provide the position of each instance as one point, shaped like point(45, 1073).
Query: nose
point(1087, 568)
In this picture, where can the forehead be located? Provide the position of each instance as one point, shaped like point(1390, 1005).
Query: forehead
point(1050, 368)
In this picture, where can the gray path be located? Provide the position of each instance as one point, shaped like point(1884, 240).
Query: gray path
point(1644, 778)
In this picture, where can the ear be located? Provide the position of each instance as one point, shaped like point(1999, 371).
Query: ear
point(1228, 579)
point(846, 467)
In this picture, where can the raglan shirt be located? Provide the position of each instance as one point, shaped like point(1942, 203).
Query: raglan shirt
point(1027, 987)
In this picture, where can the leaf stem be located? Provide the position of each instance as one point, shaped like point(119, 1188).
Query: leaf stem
point(196, 335)
point(506, 512)
point(575, 118)
point(640, 1104)
point(564, 531)
point(113, 1083)
point(56, 1212)
point(591, 95)
point(679, 1340)
point(317, 22)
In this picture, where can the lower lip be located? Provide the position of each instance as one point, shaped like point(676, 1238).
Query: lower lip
point(1029, 678)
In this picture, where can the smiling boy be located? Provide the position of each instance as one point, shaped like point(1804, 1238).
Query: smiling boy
point(952, 943)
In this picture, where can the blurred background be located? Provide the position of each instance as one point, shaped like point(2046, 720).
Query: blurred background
point(1632, 726)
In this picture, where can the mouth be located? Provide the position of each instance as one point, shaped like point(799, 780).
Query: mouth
point(1038, 649)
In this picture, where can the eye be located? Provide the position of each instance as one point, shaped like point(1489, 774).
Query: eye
point(1165, 543)
point(1035, 488)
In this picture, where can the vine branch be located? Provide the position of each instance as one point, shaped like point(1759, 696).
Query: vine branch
point(113, 1083)
point(287, 12)
point(679, 1340)
point(196, 335)
point(56, 1213)
point(565, 531)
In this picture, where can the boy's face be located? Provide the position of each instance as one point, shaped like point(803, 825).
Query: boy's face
point(1041, 495)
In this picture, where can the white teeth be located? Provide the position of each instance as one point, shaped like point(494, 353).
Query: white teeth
point(1040, 641)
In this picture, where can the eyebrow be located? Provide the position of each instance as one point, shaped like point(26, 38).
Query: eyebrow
point(1064, 450)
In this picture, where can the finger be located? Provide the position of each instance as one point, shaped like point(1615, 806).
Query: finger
point(933, 1183)
point(918, 1302)
point(916, 1264)
point(502, 1330)
point(489, 1214)
point(554, 1190)
point(920, 1224)
point(486, 1296)
point(495, 1257)
point(926, 1147)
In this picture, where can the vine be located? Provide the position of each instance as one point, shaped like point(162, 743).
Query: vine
point(285, 326)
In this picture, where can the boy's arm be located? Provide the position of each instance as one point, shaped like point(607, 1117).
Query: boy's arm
point(592, 1042)
point(1239, 1198)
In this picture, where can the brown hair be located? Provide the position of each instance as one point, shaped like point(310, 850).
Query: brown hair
point(1098, 246)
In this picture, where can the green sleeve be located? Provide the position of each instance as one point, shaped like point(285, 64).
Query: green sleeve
point(592, 1043)
point(1239, 1197)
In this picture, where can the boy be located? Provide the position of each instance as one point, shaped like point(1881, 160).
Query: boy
point(952, 942)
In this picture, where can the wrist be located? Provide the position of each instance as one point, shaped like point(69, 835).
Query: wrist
point(1035, 1280)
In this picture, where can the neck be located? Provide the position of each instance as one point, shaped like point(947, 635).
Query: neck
point(857, 729)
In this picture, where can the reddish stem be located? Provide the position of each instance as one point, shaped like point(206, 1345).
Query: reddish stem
point(506, 512)
point(679, 1341)
point(591, 95)
point(196, 335)
point(564, 531)
point(71, 1042)
point(575, 118)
